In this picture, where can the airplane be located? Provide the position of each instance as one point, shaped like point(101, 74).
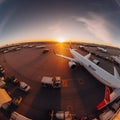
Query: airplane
point(81, 46)
point(102, 49)
point(109, 98)
point(99, 73)
point(40, 46)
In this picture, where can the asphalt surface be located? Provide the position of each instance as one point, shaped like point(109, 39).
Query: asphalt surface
point(80, 92)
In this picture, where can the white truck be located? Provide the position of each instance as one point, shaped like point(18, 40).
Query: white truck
point(51, 82)
point(17, 116)
point(24, 87)
point(62, 115)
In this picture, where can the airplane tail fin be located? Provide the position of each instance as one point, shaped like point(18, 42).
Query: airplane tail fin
point(107, 94)
point(88, 56)
point(106, 99)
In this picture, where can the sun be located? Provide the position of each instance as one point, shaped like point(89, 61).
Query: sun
point(61, 40)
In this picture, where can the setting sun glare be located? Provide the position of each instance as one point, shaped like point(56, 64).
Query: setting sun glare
point(61, 40)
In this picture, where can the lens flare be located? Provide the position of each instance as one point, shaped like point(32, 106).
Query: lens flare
point(61, 40)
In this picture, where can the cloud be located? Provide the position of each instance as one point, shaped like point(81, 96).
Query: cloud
point(97, 26)
point(118, 2)
point(5, 20)
point(2, 1)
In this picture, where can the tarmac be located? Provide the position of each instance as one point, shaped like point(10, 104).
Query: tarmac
point(80, 92)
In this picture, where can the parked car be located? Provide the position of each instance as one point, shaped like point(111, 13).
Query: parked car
point(62, 115)
point(2, 71)
point(2, 83)
point(5, 106)
point(1, 74)
point(24, 87)
point(15, 81)
point(2, 78)
point(12, 80)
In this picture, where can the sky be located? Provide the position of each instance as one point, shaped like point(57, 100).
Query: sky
point(94, 21)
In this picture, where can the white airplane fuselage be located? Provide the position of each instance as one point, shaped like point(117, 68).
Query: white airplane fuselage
point(102, 49)
point(99, 73)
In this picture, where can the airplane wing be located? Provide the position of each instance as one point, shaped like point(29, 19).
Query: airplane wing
point(116, 74)
point(65, 57)
point(87, 56)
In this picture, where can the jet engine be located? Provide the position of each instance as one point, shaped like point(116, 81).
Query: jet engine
point(72, 65)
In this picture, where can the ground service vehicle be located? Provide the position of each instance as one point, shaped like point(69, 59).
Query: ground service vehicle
point(97, 62)
point(106, 115)
point(24, 87)
point(17, 116)
point(62, 115)
point(45, 51)
point(51, 82)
